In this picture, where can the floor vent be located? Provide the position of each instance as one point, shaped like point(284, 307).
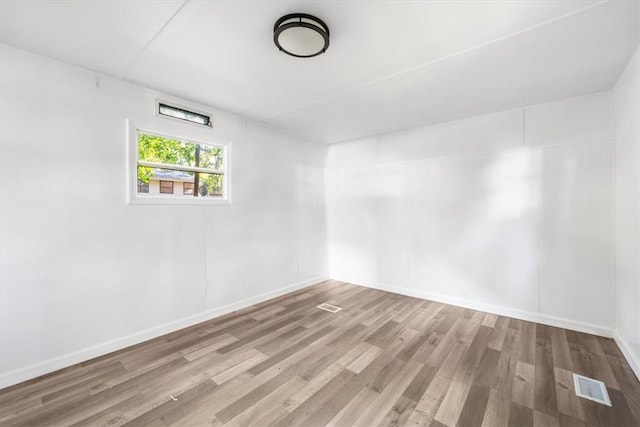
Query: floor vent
point(591, 389)
point(330, 308)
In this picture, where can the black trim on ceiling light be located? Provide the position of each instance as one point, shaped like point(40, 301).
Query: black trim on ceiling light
point(316, 25)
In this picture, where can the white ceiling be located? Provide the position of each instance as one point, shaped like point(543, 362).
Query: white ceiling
point(391, 65)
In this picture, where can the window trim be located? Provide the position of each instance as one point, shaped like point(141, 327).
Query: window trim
point(166, 199)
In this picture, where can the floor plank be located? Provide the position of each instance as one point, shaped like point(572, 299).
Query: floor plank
point(383, 360)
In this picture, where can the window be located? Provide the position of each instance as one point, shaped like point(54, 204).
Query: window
point(172, 111)
point(166, 187)
point(187, 188)
point(162, 166)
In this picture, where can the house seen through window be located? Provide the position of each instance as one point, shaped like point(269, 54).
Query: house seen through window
point(169, 167)
point(166, 187)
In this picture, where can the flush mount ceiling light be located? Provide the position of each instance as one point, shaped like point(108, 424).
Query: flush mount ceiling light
point(301, 35)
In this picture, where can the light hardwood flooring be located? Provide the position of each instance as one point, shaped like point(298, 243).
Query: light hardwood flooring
point(383, 360)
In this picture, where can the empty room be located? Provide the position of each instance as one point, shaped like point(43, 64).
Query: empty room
point(320, 213)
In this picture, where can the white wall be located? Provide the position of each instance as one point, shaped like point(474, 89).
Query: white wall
point(82, 272)
point(626, 102)
point(509, 212)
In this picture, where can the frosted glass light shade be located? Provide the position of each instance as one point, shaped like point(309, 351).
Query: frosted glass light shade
point(301, 35)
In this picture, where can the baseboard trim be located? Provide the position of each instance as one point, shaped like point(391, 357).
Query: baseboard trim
point(530, 316)
point(33, 371)
point(632, 358)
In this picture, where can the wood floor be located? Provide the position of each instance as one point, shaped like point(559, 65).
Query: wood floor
point(383, 360)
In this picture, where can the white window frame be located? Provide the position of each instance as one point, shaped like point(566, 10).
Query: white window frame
point(150, 199)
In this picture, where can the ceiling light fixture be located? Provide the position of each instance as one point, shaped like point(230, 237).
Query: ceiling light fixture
point(301, 35)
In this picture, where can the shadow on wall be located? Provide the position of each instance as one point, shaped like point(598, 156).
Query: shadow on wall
point(463, 226)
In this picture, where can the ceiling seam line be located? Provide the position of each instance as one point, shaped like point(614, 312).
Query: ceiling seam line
point(437, 60)
point(125, 74)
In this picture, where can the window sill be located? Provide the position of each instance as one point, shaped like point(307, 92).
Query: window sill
point(154, 200)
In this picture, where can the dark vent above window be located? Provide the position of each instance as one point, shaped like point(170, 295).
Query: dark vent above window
point(179, 113)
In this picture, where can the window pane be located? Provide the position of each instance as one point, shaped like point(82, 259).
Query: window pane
point(164, 181)
point(152, 148)
point(211, 157)
point(159, 149)
point(179, 113)
point(210, 185)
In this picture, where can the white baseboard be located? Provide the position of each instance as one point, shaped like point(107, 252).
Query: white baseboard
point(632, 357)
point(530, 316)
point(32, 371)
